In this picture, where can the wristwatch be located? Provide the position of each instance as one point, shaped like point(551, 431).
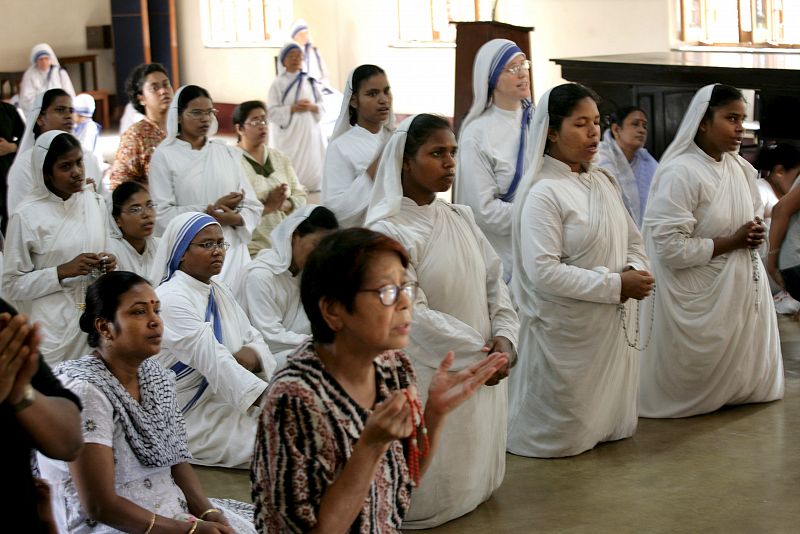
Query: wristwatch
point(27, 399)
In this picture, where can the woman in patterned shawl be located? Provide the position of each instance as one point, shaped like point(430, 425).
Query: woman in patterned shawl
point(331, 454)
point(133, 473)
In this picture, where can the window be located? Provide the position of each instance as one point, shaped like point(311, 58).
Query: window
point(766, 23)
point(431, 20)
point(245, 22)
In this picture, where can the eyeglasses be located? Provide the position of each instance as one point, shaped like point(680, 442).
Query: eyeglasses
point(200, 113)
point(255, 123)
point(63, 110)
point(211, 245)
point(390, 292)
point(516, 69)
point(139, 209)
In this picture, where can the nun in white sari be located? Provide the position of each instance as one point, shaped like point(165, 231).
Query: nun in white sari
point(295, 109)
point(272, 281)
point(347, 180)
point(715, 333)
point(205, 332)
point(183, 179)
point(577, 377)
point(448, 254)
point(45, 233)
point(44, 73)
point(492, 142)
point(20, 178)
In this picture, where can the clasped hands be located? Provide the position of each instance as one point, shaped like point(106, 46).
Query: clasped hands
point(19, 356)
point(224, 209)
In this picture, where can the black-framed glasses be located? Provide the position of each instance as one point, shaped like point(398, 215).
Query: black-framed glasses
point(389, 293)
point(138, 209)
point(211, 245)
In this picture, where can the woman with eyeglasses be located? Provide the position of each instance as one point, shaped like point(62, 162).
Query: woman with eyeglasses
point(272, 298)
point(346, 431)
point(462, 305)
point(52, 110)
point(295, 110)
point(57, 245)
point(221, 362)
point(149, 91)
point(491, 154)
point(132, 240)
point(191, 172)
point(269, 171)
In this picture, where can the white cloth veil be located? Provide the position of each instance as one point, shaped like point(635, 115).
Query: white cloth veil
point(30, 121)
point(278, 258)
point(174, 243)
point(486, 60)
point(343, 121)
point(44, 47)
point(538, 140)
point(172, 120)
point(687, 131)
point(387, 192)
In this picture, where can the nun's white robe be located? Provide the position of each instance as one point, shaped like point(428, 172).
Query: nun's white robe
point(715, 332)
point(183, 179)
point(576, 381)
point(220, 419)
point(462, 303)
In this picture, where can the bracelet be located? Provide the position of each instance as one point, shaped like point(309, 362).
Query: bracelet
point(773, 252)
point(194, 526)
point(209, 511)
point(151, 525)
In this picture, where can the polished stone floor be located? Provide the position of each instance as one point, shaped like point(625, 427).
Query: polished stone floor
point(734, 471)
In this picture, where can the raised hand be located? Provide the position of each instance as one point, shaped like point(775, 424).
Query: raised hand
point(19, 357)
point(448, 390)
point(390, 420)
point(275, 198)
point(231, 200)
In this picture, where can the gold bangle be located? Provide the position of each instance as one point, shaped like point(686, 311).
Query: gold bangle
point(209, 511)
point(194, 526)
point(151, 525)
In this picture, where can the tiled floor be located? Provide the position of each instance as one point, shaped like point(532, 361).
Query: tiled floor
point(737, 470)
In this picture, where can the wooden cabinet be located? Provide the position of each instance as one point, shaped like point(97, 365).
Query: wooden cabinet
point(663, 83)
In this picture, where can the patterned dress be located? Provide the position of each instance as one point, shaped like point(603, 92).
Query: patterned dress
point(136, 146)
point(308, 428)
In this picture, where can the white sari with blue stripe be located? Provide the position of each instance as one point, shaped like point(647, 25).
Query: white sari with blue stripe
point(204, 327)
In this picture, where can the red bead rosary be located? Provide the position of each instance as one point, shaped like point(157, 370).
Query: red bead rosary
point(414, 452)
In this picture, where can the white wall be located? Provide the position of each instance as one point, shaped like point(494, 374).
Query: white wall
point(352, 32)
point(61, 24)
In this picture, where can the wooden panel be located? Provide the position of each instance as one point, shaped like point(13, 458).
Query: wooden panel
point(129, 45)
point(470, 37)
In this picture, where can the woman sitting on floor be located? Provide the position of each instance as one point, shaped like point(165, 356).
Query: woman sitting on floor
point(132, 475)
point(272, 300)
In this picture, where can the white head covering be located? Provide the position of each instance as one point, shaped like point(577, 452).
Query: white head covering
point(387, 192)
point(179, 233)
point(278, 259)
point(489, 63)
point(40, 150)
point(30, 121)
point(343, 121)
point(84, 105)
point(687, 131)
point(298, 26)
point(44, 48)
point(288, 47)
point(538, 141)
point(172, 120)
